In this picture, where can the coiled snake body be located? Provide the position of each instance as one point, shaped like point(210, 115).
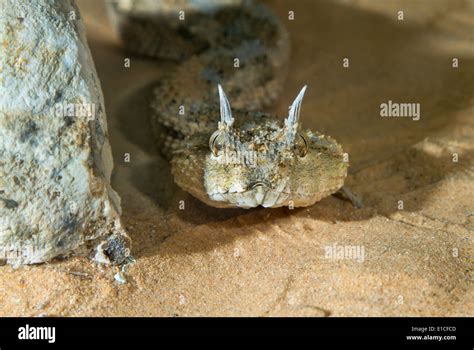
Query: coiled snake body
point(224, 150)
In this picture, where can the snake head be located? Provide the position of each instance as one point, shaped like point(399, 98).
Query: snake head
point(255, 160)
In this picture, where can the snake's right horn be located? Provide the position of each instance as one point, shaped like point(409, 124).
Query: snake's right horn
point(291, 122)
point(226, 113)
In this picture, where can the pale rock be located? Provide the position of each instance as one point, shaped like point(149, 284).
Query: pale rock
point(55, 157)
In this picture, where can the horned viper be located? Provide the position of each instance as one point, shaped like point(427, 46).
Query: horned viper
point(222, 148)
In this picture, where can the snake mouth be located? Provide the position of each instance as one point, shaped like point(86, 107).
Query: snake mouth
point(258, 194)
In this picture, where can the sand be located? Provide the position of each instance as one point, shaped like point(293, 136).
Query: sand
point(276, 262)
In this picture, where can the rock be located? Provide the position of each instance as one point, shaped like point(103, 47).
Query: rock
point(120, 278)
point(55, 157)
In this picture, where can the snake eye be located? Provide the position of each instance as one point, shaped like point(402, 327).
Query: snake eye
point(216, 142)
point(301, 146)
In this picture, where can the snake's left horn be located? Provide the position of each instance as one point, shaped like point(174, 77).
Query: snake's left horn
point(291, 122)
point(226, 112)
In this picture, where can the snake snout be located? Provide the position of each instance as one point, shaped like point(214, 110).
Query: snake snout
point(256, 184)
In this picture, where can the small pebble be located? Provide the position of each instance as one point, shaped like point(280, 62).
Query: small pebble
point(120, 278)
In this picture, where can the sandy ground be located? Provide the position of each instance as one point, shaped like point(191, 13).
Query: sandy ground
point(266, 262)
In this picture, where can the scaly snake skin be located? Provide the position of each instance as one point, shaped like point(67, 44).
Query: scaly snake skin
point(222, 148)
